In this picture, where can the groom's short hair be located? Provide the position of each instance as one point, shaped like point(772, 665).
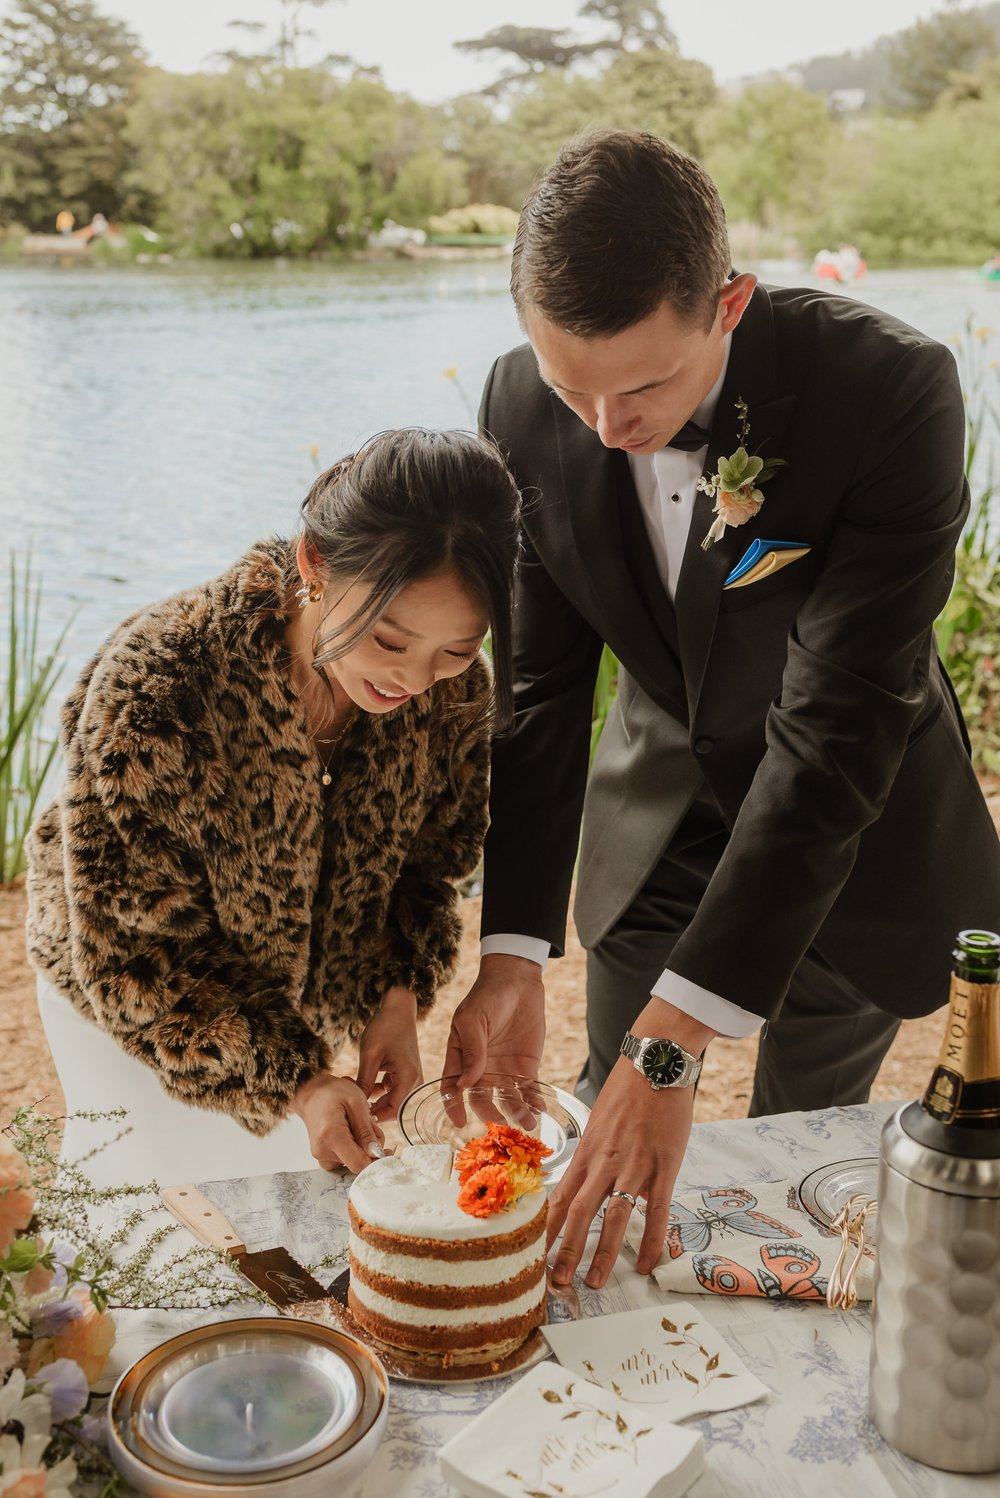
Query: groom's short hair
point(620, 223)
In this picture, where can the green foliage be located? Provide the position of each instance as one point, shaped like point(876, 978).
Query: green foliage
point(476, 218)
point(298, 161)
point(26, 753)
point(658, 90)
point(925, 55)
point(67, 73)
point(968, 631)
point(925, 192)
point(768, 150)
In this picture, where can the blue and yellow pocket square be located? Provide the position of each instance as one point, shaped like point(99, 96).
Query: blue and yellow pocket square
point(761, 558)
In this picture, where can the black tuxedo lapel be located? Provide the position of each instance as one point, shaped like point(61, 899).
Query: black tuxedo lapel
point(752, 376)
point(597, 483)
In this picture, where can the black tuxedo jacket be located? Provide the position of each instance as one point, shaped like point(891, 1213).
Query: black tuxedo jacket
point(812, 702)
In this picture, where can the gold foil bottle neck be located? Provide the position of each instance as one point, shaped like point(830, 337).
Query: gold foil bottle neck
point(964, 1089)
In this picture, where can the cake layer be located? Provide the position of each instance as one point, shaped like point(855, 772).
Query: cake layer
point(439, 1271)
point(479, 1311)
point(414, 1292)
point(492, 1338)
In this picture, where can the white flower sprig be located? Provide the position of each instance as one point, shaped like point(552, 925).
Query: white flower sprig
point(735, 485)
point(58, 1279)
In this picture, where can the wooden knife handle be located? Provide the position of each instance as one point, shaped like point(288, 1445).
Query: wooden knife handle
point(202, 1218)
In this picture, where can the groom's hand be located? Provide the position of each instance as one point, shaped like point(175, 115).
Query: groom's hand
point(634, 1142)
point(499, 1027)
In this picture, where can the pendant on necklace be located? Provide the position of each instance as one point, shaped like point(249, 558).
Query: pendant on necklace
point(327, 778)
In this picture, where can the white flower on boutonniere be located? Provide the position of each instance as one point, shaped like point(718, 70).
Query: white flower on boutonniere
point(735, 484)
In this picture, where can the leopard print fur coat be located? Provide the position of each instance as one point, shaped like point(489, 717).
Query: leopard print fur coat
point(195, 889)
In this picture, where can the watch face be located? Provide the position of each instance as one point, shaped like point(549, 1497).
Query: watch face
point(663, 1063)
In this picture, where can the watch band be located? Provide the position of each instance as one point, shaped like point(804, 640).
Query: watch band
point(634, 1048)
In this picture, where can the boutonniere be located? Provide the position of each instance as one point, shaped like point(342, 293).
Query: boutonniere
point(735, 484)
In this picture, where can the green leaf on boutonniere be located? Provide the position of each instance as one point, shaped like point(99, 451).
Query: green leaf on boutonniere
point(735, 483)
point(770, 464)
point(738, 470)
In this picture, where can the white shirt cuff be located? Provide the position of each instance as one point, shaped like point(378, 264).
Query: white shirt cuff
point(719, 1014)
point(512, 945)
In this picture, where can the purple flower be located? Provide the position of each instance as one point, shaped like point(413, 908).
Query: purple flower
point(66, 1385)
point(65, 1255)
point(94, 1428)
point(53, 1318)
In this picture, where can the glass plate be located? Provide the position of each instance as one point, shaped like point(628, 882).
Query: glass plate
point(824, 1191)
point(442, 1113)
point(563, 1305)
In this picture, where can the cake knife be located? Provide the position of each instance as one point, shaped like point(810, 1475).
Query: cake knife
point(272, 1270)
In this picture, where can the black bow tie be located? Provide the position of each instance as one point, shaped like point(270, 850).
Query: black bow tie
point(690, 437)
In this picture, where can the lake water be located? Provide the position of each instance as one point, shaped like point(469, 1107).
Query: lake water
point(156, 419)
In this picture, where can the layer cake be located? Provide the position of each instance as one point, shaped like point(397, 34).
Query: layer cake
point(446, 1287)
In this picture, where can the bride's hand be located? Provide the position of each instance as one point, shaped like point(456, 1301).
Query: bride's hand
point(389, 1062)
point(338, 1121)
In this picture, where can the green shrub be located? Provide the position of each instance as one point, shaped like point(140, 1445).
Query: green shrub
point(475, 218)
point(968, 631)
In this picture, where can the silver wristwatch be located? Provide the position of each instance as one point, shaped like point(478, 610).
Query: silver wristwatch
point(662, 1062)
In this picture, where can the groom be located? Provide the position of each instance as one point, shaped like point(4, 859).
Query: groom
point(782, 825)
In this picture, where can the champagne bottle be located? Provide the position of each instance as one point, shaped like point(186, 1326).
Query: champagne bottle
point(964, 1089)
point(936, 1311)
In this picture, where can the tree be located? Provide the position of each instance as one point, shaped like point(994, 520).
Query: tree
point(768, 150)
point(298, 161)
point(925, 55)
point(284, 48)
point(67, 73)
point(636, 23)
point(659, 91)
point(60, 59)
point(537, 47)
point(928, 195)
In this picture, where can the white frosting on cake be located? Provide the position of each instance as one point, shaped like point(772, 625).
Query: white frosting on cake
point(407, 1194)
point(407, 1315)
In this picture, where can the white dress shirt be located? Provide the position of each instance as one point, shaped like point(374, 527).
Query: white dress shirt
point(666, 483)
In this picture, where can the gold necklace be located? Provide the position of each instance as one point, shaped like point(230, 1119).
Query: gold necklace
point(326, 778)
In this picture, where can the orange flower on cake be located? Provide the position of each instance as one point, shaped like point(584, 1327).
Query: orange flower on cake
point(488, 1190)
point(498, 1168)
point(500, 1145)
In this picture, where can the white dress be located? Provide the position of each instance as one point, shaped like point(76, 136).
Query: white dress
point(168, 1142)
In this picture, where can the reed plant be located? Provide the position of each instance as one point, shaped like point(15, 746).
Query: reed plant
point(26, 749)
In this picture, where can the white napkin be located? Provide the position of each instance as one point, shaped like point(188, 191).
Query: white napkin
point(556, 1436)
point(731, 1240)
point(664, 1360)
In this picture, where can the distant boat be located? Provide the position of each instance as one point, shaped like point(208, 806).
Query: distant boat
point(845, 264)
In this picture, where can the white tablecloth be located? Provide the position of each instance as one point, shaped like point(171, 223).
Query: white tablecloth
point(811, 1437)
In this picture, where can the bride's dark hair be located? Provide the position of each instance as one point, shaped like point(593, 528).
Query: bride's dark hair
point(411, 504)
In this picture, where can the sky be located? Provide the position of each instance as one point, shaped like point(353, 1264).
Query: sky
point(411, 40)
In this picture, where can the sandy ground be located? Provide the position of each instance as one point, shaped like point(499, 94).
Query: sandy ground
point(28, 1076)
